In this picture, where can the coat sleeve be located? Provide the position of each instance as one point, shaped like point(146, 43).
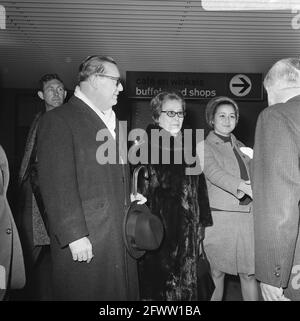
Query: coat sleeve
point(276, 187)
point(214, 172)
point(58, 179)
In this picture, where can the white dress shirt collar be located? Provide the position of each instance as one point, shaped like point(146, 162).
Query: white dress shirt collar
point(107, 116)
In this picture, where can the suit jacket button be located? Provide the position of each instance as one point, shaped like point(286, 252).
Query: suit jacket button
point(8, 231)
point(277, 271)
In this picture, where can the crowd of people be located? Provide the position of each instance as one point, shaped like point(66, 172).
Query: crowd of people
point(241, 208)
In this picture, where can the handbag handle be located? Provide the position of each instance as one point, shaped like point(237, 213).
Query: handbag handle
point(135, 177)
point(202, 250)
point(200, 247)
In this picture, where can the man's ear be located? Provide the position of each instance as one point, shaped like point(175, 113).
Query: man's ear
point(93, 82)
point(65, 94)
point(41, 94)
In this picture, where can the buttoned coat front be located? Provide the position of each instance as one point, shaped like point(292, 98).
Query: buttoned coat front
point(276, 188)
point(12, 271)
point(222, 171)
point(229, 242)
point(84, 198)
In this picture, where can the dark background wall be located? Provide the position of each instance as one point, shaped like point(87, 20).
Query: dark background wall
point(17, 109)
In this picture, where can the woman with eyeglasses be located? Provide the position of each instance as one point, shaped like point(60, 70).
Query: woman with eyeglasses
point(229, 243)
point(179, 199)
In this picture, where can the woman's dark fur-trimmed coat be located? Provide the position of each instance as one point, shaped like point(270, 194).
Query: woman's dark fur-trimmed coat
point(181, 201)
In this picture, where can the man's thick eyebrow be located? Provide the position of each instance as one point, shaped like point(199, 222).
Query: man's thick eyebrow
point(56, 86)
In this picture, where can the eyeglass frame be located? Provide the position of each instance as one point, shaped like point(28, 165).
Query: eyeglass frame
point(174, 113)
point(118, 79)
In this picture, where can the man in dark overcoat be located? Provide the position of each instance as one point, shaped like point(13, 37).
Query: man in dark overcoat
point(33, 233)
point(84, 196)
point(276, 185)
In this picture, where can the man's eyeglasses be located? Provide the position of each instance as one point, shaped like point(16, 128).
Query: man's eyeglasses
point(117, 79)
point(172, 113)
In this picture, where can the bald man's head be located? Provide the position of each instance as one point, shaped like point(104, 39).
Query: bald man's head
point(283, 80)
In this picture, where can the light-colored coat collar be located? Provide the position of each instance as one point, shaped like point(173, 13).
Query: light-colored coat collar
point(213, 138)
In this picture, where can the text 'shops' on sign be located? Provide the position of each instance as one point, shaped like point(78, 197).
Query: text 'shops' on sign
point(241, 5)
point(2, 17)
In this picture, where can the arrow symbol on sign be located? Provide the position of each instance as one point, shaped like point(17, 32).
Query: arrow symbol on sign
point(245, 85)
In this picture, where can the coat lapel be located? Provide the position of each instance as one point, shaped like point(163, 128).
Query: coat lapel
point(214, 139)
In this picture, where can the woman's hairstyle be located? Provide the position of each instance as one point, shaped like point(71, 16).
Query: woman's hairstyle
point(212, 107)
point(157, 102)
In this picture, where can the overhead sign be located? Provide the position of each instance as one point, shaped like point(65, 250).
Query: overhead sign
point(192, 85)
point(240, 85)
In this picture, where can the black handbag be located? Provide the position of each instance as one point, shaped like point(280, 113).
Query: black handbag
point(205, 282)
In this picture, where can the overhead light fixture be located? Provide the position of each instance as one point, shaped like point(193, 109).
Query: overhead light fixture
point(250, 5)
point(2, 17)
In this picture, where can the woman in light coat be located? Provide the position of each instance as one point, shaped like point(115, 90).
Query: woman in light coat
point(12, 272)
point(229, 243)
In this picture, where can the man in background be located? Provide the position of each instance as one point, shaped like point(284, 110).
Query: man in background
point(276, 185)
point(33, 232)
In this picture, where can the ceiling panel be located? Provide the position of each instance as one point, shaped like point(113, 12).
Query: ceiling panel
point(54, 36)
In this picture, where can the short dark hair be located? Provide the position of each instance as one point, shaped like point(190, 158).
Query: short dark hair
point(92, 65)
point(157, 102)
point(213, 105)
point(47, 77)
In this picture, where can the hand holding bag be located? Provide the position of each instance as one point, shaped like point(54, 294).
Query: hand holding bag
point(142, 231)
